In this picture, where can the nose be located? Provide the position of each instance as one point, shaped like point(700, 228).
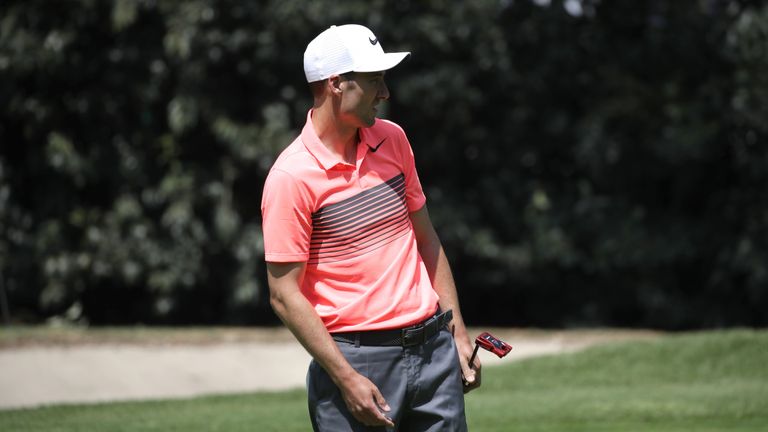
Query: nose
point(383, 92)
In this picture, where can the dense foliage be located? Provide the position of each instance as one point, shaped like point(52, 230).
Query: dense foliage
point(586, 162)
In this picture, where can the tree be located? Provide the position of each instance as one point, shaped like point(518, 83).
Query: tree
point(586, 163)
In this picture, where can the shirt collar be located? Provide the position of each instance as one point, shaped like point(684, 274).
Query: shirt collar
point(372, 138)
point(315, 146)
point(369, 140)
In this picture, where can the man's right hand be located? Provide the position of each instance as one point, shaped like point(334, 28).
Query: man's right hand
point(365, 401)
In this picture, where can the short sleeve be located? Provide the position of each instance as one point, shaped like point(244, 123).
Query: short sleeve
point(286, 219)
point(415, 198)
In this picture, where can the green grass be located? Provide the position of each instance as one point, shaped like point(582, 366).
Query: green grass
point(710, 381)
point(278, 412)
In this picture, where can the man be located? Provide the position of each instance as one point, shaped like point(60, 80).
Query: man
point(355, 268)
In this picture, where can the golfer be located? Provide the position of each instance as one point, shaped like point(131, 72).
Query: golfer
point(355, 268)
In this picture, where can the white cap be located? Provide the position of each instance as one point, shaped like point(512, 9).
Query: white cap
point(347, 48)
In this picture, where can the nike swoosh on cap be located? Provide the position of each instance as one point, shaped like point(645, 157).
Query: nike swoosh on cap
point(373, 41)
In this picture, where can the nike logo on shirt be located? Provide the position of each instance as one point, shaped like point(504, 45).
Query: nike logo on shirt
point(373, 149)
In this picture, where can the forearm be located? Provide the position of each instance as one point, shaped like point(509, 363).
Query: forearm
point(362, 397)
point(438, 268)
point(302, 320)
point(440, 275)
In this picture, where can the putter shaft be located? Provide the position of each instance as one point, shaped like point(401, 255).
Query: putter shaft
point(474, 353)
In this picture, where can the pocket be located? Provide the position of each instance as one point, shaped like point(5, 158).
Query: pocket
point(357, 357)
point(320, 387)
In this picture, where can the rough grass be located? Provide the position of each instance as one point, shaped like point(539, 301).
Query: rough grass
point(709, 381)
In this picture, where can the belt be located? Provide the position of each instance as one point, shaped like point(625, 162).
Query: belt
point(409, 336)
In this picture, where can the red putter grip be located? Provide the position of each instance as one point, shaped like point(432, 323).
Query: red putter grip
point(493, 344)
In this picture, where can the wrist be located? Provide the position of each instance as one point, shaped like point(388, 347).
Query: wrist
point(342, 374)
point(458, 328)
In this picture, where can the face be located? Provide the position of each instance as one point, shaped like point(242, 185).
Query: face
point(361, 93)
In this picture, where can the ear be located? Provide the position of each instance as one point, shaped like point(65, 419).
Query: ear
point(334, 84)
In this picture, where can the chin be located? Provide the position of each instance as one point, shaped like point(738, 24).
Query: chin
point(369, 122)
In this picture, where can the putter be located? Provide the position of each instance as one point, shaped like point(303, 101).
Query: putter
point(492, 344)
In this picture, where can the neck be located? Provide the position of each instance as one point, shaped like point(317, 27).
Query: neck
point(339, 138)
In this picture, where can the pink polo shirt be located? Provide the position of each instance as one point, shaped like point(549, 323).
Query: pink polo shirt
point(351, 225)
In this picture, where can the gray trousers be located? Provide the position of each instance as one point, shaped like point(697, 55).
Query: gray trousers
point(421, 384)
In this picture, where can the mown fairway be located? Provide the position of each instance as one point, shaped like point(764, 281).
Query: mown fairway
point(711, 381)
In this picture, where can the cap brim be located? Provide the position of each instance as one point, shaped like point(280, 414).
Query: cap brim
point(382, 63)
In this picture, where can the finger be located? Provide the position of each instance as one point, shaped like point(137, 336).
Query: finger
point(377, 418)
point(468, 387)
point(382, 405)
point(372, 416)
point(380, 401)
point(467, 374)
point(387, 421)
point(471, 375)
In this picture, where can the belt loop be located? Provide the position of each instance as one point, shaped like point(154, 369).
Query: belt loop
point(447, 317)
point(357, 340)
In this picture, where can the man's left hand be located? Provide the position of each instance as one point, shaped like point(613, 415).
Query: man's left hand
point(470, 374)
